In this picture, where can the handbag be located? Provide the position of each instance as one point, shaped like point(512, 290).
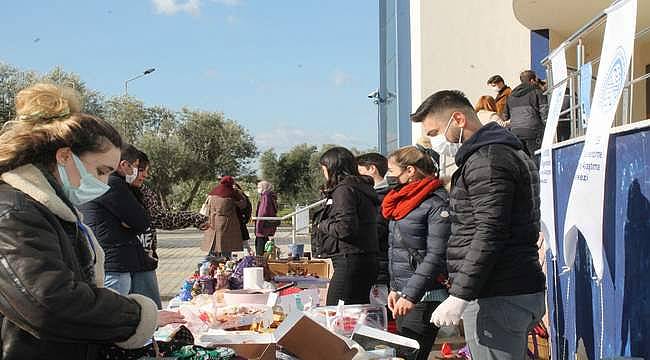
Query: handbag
point(205, 209)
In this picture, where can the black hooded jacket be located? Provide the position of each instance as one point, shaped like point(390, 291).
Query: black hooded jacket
point(494, 204)
point(347, 222)
point(527, 110)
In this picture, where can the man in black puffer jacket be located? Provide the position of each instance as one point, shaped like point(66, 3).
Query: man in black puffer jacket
point(376, 165)
point(527, 110)
point(492, 257)
point(117, 218)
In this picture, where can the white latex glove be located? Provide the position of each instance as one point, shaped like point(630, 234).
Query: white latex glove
point(449, 312)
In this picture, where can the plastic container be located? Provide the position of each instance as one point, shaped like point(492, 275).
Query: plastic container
point(296, 251)
point(345, 323)
point(236, 297)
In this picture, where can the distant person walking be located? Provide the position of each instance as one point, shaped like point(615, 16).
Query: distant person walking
point(486, 111)
point(224, 206)
point(527, 109)
point(266, 207)
point(501, 92)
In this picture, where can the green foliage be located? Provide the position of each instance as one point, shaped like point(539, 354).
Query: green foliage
point(188, 149)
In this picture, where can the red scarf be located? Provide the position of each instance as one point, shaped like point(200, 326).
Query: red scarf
point(399, 203)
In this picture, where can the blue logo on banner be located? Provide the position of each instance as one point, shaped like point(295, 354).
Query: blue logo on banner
point(614, 81)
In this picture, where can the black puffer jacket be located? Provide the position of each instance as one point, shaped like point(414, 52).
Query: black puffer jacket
point(527, 110)
point(426, 229)
point(495, 218)
point(108, 215)
point(50, 303)
point(383, 276)
point(347, 223)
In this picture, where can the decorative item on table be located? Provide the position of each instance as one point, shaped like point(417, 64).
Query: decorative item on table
point(206, 282)
point(209, 315)
point(193, 352)
point(221, 277)
point(271, 251)
point(296, 251)
point(236, 280)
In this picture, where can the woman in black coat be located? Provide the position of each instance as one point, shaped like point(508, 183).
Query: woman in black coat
point(346, 228)
point(419, 229)
point(54, 158)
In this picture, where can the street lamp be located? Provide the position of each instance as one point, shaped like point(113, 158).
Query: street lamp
point(145, 73)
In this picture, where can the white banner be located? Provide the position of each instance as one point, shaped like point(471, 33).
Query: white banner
point(547, 195)
point(586, 202)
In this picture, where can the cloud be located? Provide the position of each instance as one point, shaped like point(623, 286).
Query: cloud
point(171, 7)
point(229, 2)
point(284, 138)
point(232, 19)
point(341, 78)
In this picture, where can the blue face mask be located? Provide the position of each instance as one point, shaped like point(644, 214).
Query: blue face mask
point(90, 188)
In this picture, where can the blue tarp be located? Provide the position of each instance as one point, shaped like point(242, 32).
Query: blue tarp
point(581, 319)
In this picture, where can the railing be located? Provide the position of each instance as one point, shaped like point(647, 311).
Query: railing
point(295, 217)
point(574, 78)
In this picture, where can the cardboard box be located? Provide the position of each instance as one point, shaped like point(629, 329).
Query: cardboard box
point(321, 268)
point(247, 344)
point(372, 339)
point(309, 340)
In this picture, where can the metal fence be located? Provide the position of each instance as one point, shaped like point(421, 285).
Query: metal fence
point(574, 113)
point(299, 219)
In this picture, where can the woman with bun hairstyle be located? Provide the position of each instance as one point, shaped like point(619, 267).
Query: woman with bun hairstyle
point(54, 158)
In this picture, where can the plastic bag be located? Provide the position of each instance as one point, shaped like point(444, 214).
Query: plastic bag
point(379, 295)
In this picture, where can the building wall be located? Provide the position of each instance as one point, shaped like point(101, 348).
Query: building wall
point(395, 75)
point(462, 43)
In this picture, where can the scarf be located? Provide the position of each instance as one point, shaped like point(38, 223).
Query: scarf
point(400, 202)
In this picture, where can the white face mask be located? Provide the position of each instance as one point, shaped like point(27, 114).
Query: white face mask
point(442, 146)
point(131, 178)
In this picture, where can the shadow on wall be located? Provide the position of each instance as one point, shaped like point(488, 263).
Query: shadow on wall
point(636, 302)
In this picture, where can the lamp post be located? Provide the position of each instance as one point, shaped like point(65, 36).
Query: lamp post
point(377, 99)
point(145, 73)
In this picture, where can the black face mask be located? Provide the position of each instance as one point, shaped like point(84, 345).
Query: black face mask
point(393, 181)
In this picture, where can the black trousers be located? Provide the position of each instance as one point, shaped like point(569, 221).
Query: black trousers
point(353, 277)
point(417, 325)
point(260, 241)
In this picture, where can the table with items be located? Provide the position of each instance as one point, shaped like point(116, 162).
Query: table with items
point(259, 308)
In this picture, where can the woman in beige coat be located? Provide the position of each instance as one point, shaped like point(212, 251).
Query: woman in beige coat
point(224, 205)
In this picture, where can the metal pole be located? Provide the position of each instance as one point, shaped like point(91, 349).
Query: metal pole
point(293, 224)
point(631, 92)
point(572, 103)
point(580, 57)
point(126, 88)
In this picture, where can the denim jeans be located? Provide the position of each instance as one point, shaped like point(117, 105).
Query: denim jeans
point(146, 283)
point(497, 327)
point(120, 282)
